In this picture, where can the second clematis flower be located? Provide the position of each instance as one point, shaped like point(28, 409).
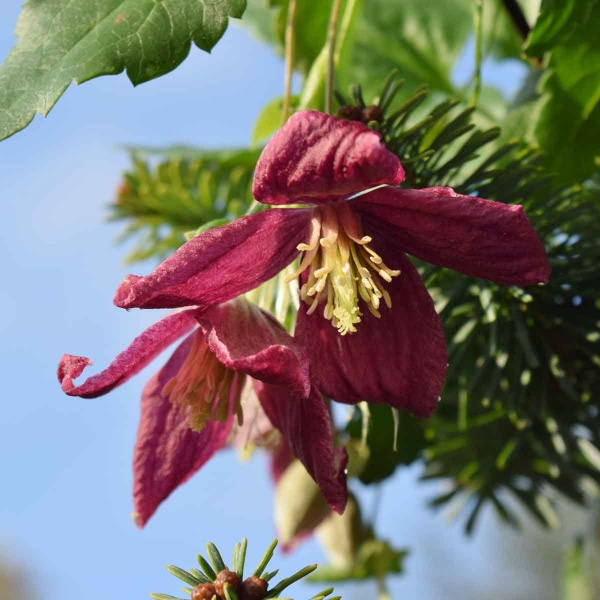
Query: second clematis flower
point(190, 407)
point(366, 318)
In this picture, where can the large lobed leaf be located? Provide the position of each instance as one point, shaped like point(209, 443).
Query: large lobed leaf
point(62, 41)
point(568, 126)
point(421, 39)
point(268, 20)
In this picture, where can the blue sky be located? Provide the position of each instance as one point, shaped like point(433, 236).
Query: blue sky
point(65, 497)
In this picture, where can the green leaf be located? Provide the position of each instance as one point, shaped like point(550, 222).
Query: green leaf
point(312, 18)
point(500, 36)
point(61, 42)
point(268, 18)
point(556, 21)
point(382, 459)
point(570, 118)
point(270, 119)
point(183, 575)
point(420, 40)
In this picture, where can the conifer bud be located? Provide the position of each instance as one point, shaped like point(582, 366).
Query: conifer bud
point(204, 591)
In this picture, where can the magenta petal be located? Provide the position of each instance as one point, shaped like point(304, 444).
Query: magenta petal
point(140, 352)
point(315, 157)
point(399, 359)
point(221, 263)
point(478, 237)
point(245, 338)
point(306, 427)
point(167, 452)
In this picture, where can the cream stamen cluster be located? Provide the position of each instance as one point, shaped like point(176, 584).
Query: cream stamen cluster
point(342, 268)
point(205, 385)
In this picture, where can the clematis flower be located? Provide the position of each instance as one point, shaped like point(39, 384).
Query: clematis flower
point(366, 319)
point(189, 407)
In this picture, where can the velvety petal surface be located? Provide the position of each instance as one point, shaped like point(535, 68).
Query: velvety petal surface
point(140, 352)
point(315, 157)
point(399, 359)
point(477, 237)
point(167, 452)
point(306, 427)
point(281, 459)
point(245, 338)
point(221, 263)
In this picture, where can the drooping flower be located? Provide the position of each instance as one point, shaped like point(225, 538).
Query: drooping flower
point(189, 407)
point(386, 344)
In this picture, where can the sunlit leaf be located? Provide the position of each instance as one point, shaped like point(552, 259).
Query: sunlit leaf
point(63, 42)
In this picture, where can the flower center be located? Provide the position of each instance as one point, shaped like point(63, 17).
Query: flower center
point(210, 390)
point(342, 268)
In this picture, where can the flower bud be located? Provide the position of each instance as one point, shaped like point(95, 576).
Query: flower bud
point(350, 112)
point(372, 113)
point(342, 535)
point(299, 505)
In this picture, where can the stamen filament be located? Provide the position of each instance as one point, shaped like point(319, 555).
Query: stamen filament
point(342, 268)
point(209, 389)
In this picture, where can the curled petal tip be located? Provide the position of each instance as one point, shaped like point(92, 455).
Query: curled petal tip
point(124, 296)
point(135, 357)
point(70, 367)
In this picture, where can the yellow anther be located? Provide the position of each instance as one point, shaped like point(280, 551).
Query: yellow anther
point(322, 272)
point(304, 247)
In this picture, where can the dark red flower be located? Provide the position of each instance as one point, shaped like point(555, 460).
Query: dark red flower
point(386, 344)
point(189, 406)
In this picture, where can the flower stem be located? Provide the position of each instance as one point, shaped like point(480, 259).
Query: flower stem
point(290, 43)
point(331, 40)
point(478, 52)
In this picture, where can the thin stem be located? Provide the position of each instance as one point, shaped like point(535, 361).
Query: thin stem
point(331, 39)
point(517, 17)
point(478, 50)
point(290, 43)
